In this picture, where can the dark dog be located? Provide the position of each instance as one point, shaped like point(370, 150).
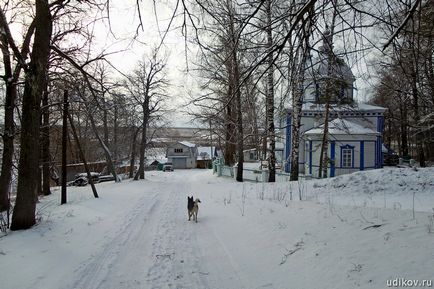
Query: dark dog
point(190, 205)
point(193, 208)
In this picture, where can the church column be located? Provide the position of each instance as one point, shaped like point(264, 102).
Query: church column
point(310, 157)
point(380, 128)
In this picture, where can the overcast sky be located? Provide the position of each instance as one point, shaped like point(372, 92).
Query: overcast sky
point(124, 21)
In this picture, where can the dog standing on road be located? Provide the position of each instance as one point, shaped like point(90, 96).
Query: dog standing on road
point(193, 208)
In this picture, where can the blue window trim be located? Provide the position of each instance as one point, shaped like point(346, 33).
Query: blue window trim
point(341, 168)
point(313, 114)
point(347, 146)
point(362, 155)
point(332, 158)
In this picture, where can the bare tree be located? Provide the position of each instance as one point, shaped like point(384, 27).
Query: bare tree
point(35, 84)
point(270, 98)
point(11, 77)
point(147, 87)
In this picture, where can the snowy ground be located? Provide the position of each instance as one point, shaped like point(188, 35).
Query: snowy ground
point(248, 235)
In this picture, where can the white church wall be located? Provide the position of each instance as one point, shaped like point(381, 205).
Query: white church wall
point(369, 155)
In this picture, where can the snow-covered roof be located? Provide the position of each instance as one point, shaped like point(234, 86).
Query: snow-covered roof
point(358, 107)
point(187, 144)
point(161, 160)
point(369, 107)
point(341, 126)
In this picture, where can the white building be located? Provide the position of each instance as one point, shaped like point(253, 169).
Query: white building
point(182, 155)
point(355, 130)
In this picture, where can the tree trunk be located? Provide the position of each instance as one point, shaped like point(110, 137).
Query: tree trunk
point(323, 162)
point(419, 132)
point(133, 154)
point(331, 89)
point(297, 104)
point(9, 129)
point(270, 100)
point(45, 142)
point(141, 172)
point(403, 126)
point(240, 134)
point(230, 127)
point(106, 150)
point(115, 134)
point(298, 89)
point(83, 158)
point(64, 147)
point(235, 80)
point(35, 82)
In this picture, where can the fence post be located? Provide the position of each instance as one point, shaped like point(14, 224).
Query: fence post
point(264, 175)
point(219, 169)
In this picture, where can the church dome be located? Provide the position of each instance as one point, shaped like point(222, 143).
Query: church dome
point(326, 68)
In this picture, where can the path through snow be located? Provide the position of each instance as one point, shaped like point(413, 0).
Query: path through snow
point(158, 248)
point(137, 236)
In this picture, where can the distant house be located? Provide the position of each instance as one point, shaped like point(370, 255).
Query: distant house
point(206, 155)
point(251, 155)
point(182, 155)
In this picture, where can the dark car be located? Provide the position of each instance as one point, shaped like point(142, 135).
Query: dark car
point(390, 158)
point(82, 180)
point(168, 167)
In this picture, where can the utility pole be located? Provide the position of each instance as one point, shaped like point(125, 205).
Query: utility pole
point(64, 143)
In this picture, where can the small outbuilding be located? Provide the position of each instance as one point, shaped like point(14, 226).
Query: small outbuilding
point(182, 155)
point(205, 157)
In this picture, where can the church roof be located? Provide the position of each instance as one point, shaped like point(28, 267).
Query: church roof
point(357, 107)
point(341, 126)
point(187, 144)
point(318, 67)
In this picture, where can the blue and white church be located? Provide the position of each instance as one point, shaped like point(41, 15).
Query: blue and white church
point(354, 130)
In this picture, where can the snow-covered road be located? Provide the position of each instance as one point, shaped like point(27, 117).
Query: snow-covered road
point(137, 236)
point(158, 248)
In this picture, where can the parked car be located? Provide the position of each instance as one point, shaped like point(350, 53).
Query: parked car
point(168, 167)
point(81, 179)
point(106, 178)
point(390, 158)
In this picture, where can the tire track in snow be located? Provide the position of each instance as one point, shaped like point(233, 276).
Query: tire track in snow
point(222, 267)
point(98, 271)
point(175, 252)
